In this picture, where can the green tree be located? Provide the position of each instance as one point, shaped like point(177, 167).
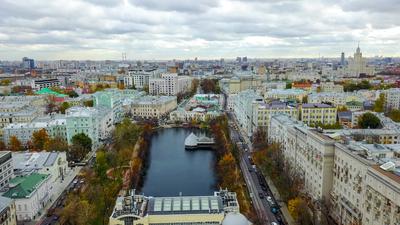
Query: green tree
point(369, 120)
point(379, 105)
point(304, 99)
point(146, 88)
point(39, 138)
point(81, 146)
point(72, 94)
point(289, 85)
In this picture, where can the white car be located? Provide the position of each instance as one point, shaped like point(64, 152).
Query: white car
point(274, 223)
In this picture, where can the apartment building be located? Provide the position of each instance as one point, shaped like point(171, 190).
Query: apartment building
point(169, 84)
point(366, 184)
point(243, 109)
point(151, 107)
point(286, 94)
point(6, 169)
point(7, 211)
point(237, 84)
point(314, 113)
point(331, 87)
point(39, 84)
point(392, 97)
point(309, 153)
point(335, 98)
point(137, 80)
point(112, 99)
point(262, 112)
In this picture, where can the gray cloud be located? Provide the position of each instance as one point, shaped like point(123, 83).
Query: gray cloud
point(204, 28)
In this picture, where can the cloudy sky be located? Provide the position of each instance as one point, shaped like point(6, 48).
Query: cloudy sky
point(181, 29)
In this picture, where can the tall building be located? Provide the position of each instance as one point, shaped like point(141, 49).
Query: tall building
point(28, 63)
point(358, 65)
point(342, 60)
point(169, 84)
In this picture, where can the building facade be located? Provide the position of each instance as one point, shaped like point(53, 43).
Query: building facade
point(6, 169)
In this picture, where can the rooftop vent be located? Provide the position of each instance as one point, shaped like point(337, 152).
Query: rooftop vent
point(389, 166)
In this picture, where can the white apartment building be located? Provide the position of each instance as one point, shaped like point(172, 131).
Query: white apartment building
point(392, 97)
point(6, 169)
point(331, 87)
point(169, 84)
point(335, 98)
point(31, 193)
point(137, 80)
point(309, 152)
point(112, 99)
point(243, 109)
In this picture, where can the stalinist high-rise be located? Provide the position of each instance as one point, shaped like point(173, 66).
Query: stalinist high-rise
point(358, 64)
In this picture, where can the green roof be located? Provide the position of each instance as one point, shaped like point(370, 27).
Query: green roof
point(48, 91)
point(23, 186)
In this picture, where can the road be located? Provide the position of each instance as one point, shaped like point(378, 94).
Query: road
point(256, 184)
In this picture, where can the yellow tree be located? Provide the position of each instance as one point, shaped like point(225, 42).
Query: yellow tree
point(39, 138)
point(15, 144)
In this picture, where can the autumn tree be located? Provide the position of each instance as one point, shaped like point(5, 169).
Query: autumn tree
point(2, 146)
point(39, 138)
point(394, 114)
point(88, 103)
point(15, 144)
point(57, 144)
point(64, 106)
point(72, 94)
point(300, 212)
point(379, 105)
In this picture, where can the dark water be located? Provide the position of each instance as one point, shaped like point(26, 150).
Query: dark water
point(172, 169)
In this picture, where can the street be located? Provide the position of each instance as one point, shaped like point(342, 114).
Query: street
point(261, 196)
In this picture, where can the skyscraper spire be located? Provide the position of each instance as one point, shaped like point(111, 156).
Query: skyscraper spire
point(358, 48)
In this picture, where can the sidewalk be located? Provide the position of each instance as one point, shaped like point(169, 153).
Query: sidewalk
point(58, 189)
point(282, 205)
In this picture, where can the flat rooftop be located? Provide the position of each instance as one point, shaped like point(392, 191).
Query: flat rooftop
point(185, 205)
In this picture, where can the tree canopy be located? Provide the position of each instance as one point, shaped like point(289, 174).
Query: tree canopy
point(369, 120)
point(39, 138)
point(81, 146)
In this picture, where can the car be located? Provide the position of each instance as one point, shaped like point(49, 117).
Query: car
point(274, 223)
point(269, 198)
point(261, 195)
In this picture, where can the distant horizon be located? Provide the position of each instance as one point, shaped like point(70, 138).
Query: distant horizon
point(208, 29)
point(198, 59)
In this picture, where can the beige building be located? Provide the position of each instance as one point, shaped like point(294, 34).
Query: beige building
point(235, 85)
point(152, 107)
point(366, 185)
point(169, 84)
point(358, 65)
point(212, 210)
point(263, 112)
point(312, 114)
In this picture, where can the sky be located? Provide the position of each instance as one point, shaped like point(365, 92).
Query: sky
point(207, 29)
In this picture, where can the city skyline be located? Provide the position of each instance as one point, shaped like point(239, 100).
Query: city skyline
point(160, 30)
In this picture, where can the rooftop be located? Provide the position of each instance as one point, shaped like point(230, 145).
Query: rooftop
point(24, 186)
point(316, 105)
point(4, 202)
